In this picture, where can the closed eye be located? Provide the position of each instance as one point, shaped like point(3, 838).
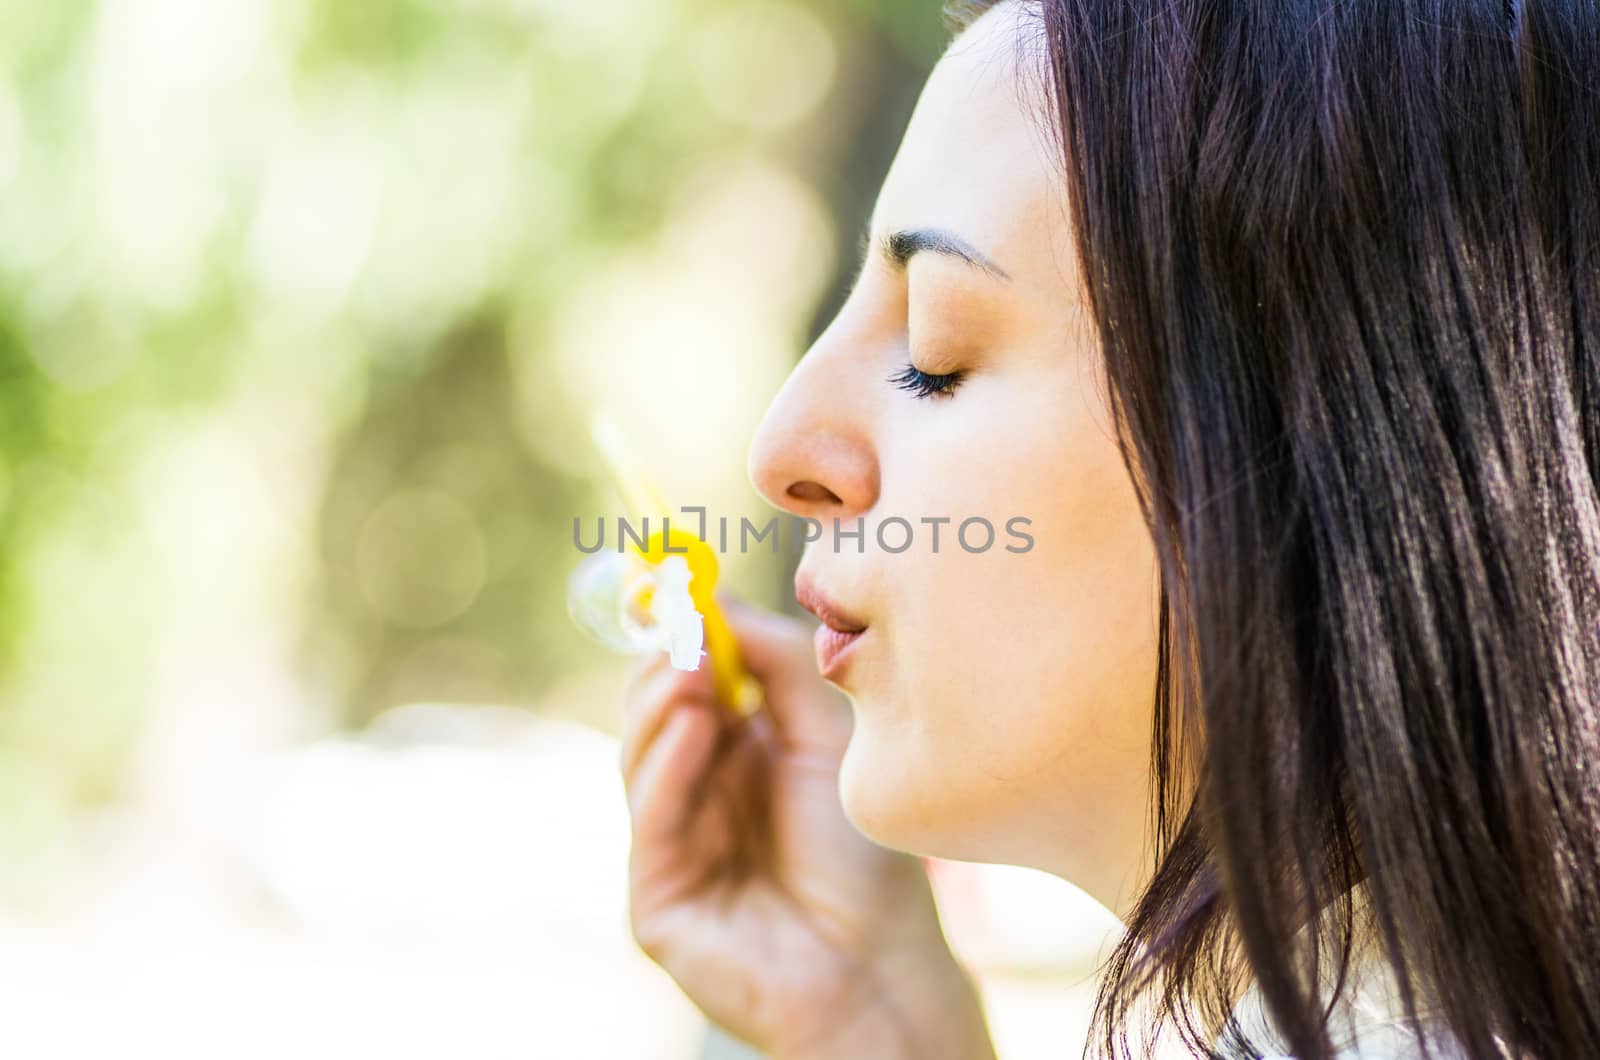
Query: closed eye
point(925, 384)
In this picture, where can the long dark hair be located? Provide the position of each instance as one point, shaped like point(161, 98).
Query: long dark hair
point(1344, 258)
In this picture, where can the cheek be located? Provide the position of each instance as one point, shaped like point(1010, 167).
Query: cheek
point(1014, 681)
point(1021, 685)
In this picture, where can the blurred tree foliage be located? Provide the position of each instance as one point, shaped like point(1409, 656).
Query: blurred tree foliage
point(378, 207)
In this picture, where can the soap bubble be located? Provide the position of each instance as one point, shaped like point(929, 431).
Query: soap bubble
point(633, 606)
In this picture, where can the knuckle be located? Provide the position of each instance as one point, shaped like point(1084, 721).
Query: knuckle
point(640, 671)
point(677, 686)
point(660, 683)
point(797, 635)
point(645, 697)
point(787, 629)
point(647, 936)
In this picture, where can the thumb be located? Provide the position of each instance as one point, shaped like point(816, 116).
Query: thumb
point(778, 652)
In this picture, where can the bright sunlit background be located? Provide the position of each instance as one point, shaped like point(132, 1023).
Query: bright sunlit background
point(303, 304)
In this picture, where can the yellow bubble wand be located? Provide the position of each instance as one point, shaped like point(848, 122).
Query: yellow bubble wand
point(735, 687)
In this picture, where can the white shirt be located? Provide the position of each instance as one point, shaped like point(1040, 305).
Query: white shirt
point(1367, 1023)
point(1368, 1020)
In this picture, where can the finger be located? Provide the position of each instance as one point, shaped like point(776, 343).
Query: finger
point(650, 704)
point(776, 648)
point(660, 794)
point(653, 678)
point(654, 664)
point(643, 666)
point(778, 651)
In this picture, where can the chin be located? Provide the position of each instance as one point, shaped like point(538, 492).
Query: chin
point(898, 801)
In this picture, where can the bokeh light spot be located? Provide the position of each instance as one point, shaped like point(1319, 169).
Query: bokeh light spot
point(766, 65)
point(421, 558)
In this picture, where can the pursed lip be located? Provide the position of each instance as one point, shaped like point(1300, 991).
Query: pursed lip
point(839, 632)
point(813, 599)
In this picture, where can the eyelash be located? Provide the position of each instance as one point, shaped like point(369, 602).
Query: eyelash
point(922, 384)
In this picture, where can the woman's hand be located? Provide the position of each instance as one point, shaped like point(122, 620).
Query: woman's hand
point(751, 888)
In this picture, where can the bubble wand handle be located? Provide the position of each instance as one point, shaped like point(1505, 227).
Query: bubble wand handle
point(735, 687)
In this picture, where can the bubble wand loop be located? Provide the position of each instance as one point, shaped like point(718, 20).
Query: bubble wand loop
point(735, 687)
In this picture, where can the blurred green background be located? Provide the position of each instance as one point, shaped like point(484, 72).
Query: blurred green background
point(303, 307)
point(303, 303)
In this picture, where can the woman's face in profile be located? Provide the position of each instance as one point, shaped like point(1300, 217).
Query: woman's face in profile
point(1002, 698)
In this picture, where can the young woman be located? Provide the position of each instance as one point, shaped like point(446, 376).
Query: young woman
point(1279, 324)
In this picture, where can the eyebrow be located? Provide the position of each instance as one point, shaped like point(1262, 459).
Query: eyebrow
point(900, 247)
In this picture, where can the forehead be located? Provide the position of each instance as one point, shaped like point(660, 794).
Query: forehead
point(975, 158)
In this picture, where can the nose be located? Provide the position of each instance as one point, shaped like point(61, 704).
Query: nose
point(813, 453)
